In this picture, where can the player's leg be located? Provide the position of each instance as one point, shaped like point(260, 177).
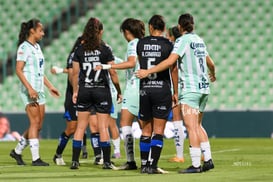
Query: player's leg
point(156, 144)
point(179, 134)
point(16, 153)
point(84, 149)
point(83, 117)
point(103, 124)
point(190, 118)
point(127, 133)
point(145, 144)
point(35, 114)
point(205, 145)
point(115, 137)
point(95, 138)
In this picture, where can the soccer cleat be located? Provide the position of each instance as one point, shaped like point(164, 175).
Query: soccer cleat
point(156, 171)
point(58, 160)
point(110, 165)
point(128, 166)
point(75, 165)
point(208, 165)
point(116, 156)
point(98, 161)
point(84, 155)
point(177, 159)
point(17, 157)
point(39, 162)
point(191, 169)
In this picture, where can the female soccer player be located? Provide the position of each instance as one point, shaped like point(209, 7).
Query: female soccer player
point(179, 130)
point(133, 30)
point(91, 89)
point(155, 95)
point(195, 64)
point(30, 71)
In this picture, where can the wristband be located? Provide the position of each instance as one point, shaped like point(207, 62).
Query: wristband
point(106, 66)
point(58, 70)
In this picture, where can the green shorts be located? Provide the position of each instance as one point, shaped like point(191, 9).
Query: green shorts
point(130, 101)
point(27, 100)
point(194, 100)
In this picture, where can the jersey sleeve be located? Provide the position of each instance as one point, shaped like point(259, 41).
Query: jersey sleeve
point(180, 46)
point(131, 49)
point(76, 55)
point(109, 54)
point(22, 53)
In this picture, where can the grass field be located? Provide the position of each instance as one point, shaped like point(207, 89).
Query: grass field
point(248, 159)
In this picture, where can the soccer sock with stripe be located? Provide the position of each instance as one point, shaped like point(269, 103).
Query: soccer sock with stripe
point(156, 148)
point(77, 144)
point(179, 137)
point(106, 151)
point(95, 138)
point(128, 142)
point(21, 145)
point(145, 146)
point(63, 139)
point(84, 144)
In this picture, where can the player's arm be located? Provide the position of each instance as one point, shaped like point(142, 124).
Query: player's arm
point(51, 88)
point(174, 74)
point(70, 74)
point(130, 63)
point(115, 80)
point(160, 67)
point(19, 72)
point(58, 70)
point(74, 78)
point(211, 67)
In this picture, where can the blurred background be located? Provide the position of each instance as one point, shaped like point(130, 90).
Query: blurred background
point(238, 34)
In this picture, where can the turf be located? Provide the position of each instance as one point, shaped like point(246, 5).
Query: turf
point(235, 159)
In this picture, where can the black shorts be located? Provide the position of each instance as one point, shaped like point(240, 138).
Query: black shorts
point(70, 108)
point(98, 99)
point(154, 103)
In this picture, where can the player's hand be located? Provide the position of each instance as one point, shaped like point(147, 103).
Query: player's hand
point(175, 100)
point(103, 66)
point(54, 92)
point(141, 73)
point(75, 97)
point(119, 98)
point(33, 94)
point(56, 70)
point(212, 77)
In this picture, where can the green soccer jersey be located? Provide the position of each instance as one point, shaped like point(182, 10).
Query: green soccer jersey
point(34, 65)
point(193, 68)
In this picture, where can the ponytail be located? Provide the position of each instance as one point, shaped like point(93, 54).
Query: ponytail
point(25, 28)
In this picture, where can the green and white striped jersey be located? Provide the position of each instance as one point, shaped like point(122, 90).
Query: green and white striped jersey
point(193, 68)
point(34, 65)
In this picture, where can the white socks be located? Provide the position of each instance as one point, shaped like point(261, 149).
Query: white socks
point(22, 144)
point(128, 142)
point(195, 154)
point(179, 137)
point(116, 144)
point(205, 148)
point(34, 148)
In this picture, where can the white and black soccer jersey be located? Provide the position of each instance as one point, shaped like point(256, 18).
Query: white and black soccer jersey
point(155, 90)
